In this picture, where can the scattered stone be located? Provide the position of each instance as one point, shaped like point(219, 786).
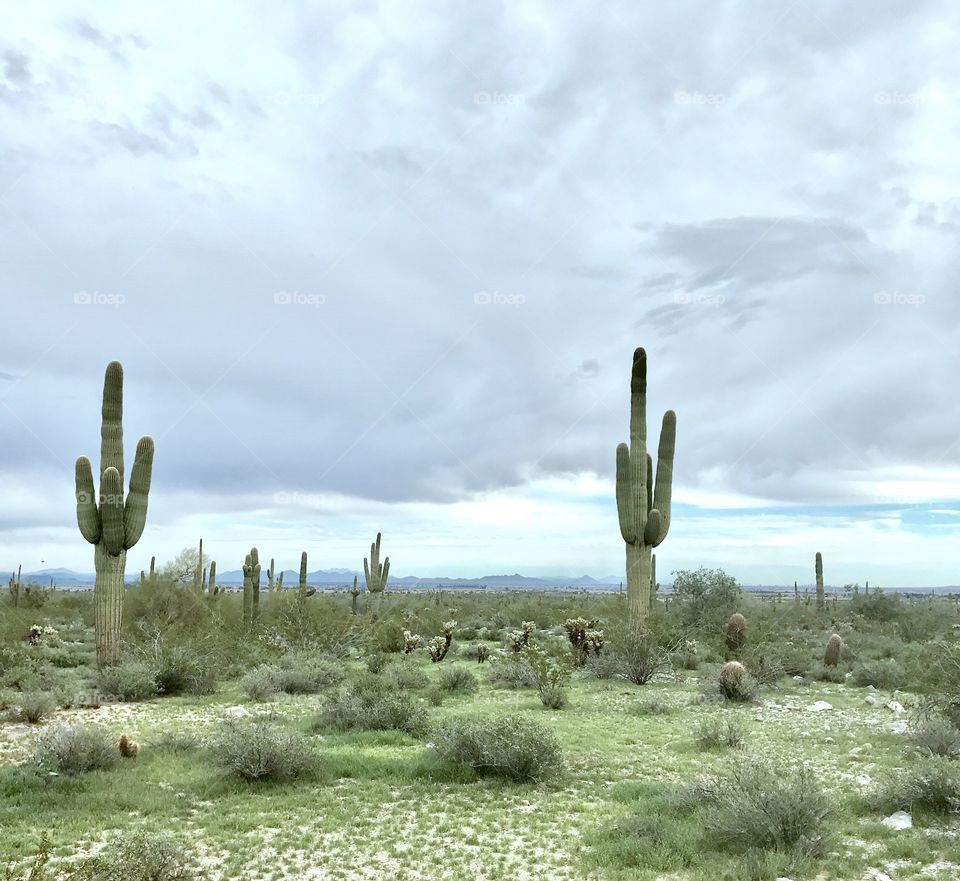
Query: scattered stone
point(237, 712)
point(877, 875)
point(819, 707)
point(855, 752)
point(898, 820)
point(798, 679)
point(871, 688)
point(896, 706)
point(899, 727)
point(870, 700)
point(848, 677)
point(863, 779)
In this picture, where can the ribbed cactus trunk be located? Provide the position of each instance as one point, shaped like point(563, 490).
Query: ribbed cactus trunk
point(354, 596)
point(821, 602)
point(115, 524)
point(376, 574)
point(212, 584)
point(153, 569)
point(643, 505)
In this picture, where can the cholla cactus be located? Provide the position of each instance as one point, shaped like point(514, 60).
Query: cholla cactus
point(376, 574)
point(831, 656)
point(115, 524)
point(584, 637)
point(736, 632)
point(643, 505)
point(411, 642)
point(440, 645)
point(483, 653)
point(520, 639)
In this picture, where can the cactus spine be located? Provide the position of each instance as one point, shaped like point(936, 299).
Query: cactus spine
point(376, 574)
point(115, 524)
point(354, 594)
point(643, 506)
point(819, 569)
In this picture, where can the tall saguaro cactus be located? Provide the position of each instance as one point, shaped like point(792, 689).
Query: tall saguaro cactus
point(251, 588)
point(354, 595)
point(376, 574)
point(115, 524)
point(303, 591)
point(643, 505)
point(821, 601)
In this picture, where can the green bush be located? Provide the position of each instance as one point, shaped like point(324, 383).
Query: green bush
point(182, 670)
point(511, 747)
point(936, 737)
point(256, 750)
point(377, 661)
point(550, 676)
point(511, 672)
point(887, 673)
point(129, 682)
point(758, 806)
point(404, 675)
point(716, 733)
point(75, 749)
point(932, 784)
point(260, 684)
point(456, 678)
point(373, 707)
point(140, 857)
point(820, 672)
point(32, 707)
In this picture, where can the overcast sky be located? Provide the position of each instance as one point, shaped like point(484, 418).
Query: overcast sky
point(384, 267)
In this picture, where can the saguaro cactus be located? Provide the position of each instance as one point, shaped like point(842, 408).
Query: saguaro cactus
point(212, 583)
point(198, 572)
point(354, 595)
point(153, 569)
point(251, 588)
point(642, 505)
point(270, 587)
point(819, 568)
point(115, 524)
point(376, 574)
point(303, 589)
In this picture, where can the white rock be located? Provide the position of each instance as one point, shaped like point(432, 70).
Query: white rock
point(896, 706)
point(877, 875)
point(236, 712)
point(819, 707)
point(870, 700)
point(863, 779)
point(855, 752)
point(848, 676)
point(870, 688)
point(898, 820)
point(899, 727)
point(798, 679)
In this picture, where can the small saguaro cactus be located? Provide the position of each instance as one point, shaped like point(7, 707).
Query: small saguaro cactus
point(280, 581)
point(819, 571)
point(270, 585)
point(303, 589)
point(212, 582)
point(251, 588)
point(115, 524)
point(153, 569)
point(354, 596)
point(376, 574)
point(198, 572)
point(736, 632)
point(483, 653)
point(831, 657)
point(643, 506)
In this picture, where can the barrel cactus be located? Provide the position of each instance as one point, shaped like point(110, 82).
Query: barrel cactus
point(736, 632)
point(643, 505)
point(115, 524)
point(736, 684)
point(831, 657)
point(376, 574)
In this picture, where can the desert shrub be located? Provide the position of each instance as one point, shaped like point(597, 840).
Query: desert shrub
point(129, 681)
point(757, 806)
point(688, 656)
point(457, 679)
point(831, 657)
point(706, 597)
point(311, 676)
point(820, 672)
point(550, 676)
point(377, 662)
point(75, 749)
point(37, 868)
point(876, 605)
point(260, 684)
point(606, 665)
point(370, 708)
point(387, 637)
point(653, 706)
point(402, 675)
point(256, 750)
point(139, 857)
point(32, 707)
point(511, 747)
point(936, 736)
point(736, 684)
point(886, 673)
point(716, 733)
point(435, 696)
point(932, 784)
point(182, 670)
point(175, 741)
point(511, 672)
point(644, 653)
